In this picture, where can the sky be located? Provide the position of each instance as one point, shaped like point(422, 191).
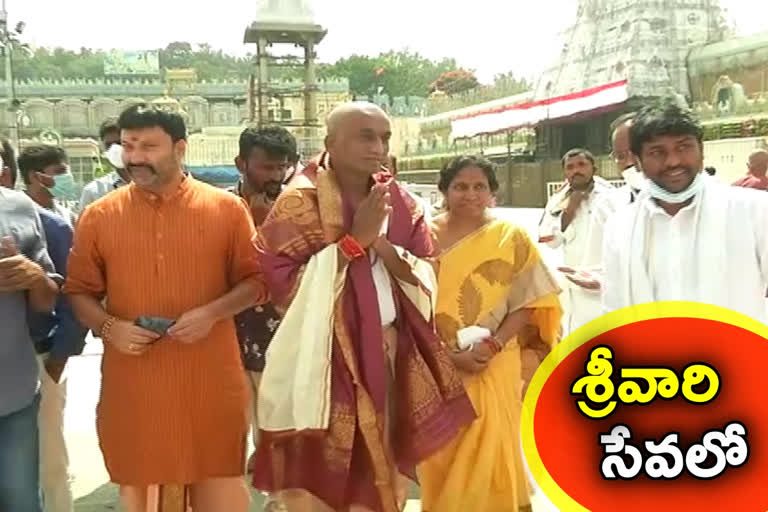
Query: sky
point(489, 36)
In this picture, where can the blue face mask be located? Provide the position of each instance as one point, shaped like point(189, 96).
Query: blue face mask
point(64, 187)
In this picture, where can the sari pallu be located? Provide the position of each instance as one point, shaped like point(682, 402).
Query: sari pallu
point(351, 461)
point(495, 271)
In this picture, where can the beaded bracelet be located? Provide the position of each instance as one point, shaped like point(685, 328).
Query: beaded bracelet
point(106, 327)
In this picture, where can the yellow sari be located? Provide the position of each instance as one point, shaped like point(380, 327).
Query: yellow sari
point(495, 271)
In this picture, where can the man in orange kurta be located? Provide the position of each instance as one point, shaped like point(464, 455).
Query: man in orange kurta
point(172, 417)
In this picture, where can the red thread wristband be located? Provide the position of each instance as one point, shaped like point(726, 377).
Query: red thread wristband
point(351, 248)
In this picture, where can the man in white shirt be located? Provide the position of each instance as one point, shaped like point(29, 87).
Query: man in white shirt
point(634, 183)
point(568, 223)
point(686, 237)
point(109, 133)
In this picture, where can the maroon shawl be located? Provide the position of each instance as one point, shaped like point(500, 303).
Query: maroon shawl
point(347, 463)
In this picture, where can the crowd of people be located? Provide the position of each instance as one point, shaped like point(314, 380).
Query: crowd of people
point(362, 338)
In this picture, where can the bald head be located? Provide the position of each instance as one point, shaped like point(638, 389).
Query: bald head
point(358, 137)
point(336, 119)
point(758, 162)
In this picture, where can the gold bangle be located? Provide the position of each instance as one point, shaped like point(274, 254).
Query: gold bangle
point(106, 327)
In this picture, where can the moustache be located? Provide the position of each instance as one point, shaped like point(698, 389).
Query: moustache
point(133, 167)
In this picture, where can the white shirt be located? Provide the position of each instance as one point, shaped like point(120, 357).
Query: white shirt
point(673, 260)
point(100, 187)
point(581, 243)
point(582, 239)
point(670, 247)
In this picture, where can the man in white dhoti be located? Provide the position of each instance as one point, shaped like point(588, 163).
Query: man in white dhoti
point(567, 223)
point(687, 237)
point(634, 183)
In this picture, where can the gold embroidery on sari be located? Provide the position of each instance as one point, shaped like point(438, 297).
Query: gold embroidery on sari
point(497, 271)
point(296, 206)
point(480, 272)
point(341, 437)
point(470, 302)
point(446, 327)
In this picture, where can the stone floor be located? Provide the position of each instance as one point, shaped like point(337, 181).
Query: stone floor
point(105, 499)
point(91, 487)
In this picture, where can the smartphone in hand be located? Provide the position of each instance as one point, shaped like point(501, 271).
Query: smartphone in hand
point(155, 324)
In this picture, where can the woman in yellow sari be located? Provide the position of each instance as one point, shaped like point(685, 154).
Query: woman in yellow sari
point(490, 276)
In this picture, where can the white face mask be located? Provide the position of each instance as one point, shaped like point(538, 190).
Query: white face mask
point(115, 156)
point(634, 178)
point(677, 197)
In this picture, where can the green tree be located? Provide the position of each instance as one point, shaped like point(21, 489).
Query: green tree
point(410, 74)
point(359, 69)
point(509, 84)
point(176, 55)
point(210, 64)
point(397, 73)
point(57, 63)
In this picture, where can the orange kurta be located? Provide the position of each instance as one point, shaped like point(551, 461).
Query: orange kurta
point(176, 414)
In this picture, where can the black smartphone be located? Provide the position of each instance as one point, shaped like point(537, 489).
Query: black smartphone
point(155, 324)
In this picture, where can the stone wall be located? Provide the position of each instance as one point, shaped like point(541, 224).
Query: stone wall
point(119, 88)
point(74, 117)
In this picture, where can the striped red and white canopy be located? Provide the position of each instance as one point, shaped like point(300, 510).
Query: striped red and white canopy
point(530, 113)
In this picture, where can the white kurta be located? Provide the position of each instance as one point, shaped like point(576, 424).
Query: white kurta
point(384, 292)
point(582, 244)
point(714, 251)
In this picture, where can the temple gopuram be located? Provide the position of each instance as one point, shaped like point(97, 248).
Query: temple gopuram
point(616, 56)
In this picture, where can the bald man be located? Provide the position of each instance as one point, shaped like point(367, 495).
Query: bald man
point(757, 165)
point(348, 405)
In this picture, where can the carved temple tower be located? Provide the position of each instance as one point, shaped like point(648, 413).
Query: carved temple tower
point(644, 41)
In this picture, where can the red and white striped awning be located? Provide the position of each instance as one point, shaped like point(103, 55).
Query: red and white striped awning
point(530, 113)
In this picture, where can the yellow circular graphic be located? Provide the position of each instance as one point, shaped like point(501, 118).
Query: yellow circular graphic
point(597, 327)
